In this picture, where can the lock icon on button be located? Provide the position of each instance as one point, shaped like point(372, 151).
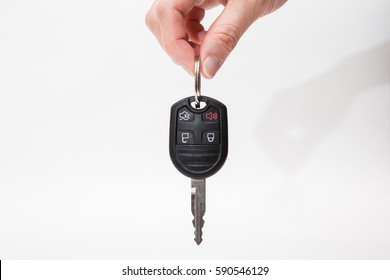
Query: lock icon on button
point(211, 137)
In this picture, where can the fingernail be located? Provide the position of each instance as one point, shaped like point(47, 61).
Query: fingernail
point(211, 66)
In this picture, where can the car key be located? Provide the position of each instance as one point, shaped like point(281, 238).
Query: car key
point(198, 145)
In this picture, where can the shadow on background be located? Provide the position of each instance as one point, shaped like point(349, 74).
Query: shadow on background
point(297, 119)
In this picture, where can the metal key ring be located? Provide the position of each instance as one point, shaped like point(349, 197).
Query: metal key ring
point(197, 82)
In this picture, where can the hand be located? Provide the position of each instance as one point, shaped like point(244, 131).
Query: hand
point(177, 26)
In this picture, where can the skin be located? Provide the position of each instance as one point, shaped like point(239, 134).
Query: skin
point(177, 26)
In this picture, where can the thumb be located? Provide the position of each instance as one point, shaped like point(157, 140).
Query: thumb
point(223, 35)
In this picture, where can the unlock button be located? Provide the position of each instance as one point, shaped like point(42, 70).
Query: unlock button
point(185, 137)
point(210, 137)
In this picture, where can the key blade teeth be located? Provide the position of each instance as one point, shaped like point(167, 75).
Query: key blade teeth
point(198, 233)
point(198, 207)
point(201, 223)
point(198, 240)
point(198, 230)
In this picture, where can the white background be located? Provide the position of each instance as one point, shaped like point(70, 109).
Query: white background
point(113, 269)
point(85, 94)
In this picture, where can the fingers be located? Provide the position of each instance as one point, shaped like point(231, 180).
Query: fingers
point(177, 26)
point(228, 28)
point(195, 29)
point(167, 20)
point(223, 36)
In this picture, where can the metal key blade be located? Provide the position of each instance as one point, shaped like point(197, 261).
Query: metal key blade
point(198, 206)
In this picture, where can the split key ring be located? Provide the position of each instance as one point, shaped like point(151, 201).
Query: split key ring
point(197, 82)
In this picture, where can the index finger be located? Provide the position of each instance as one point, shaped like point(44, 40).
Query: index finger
point(170, 15)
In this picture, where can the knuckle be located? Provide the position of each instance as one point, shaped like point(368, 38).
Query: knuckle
point(154, 14)
point(270, 7)
point(160, 9)
point(149, 19)
point(228, 36)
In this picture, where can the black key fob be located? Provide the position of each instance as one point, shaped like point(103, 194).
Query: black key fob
point(198, 138)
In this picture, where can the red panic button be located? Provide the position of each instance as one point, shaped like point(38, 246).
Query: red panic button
point(210, 116)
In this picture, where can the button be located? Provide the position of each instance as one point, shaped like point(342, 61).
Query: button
point(185, 137)
point(210, 137)
point(211, 115)
point(185, 115)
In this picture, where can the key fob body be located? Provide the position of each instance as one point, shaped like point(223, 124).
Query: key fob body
point(198, 141)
